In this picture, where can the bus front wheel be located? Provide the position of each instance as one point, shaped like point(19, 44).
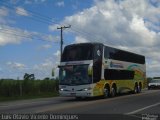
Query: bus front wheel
point(136, 89)
point(139, 88)
point(106, 92)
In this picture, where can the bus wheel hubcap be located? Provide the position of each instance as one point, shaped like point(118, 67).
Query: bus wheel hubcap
point(106, 92)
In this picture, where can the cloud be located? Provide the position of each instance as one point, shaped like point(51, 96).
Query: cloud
point(144, 34)
point(49, 37)
point(116, 26)
point(60, 4)
point(57, 54)
point(44, 69)
point(46, 46)
point(41, 70)
point(11, 35)
point(16, 65)
point(21, 11)
point(53, 27)
point(153, 68)
point(3, 13)
point(34, 1)
point(80, 39)
point(130, 24)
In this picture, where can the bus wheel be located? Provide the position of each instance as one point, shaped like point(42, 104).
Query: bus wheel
point(136, 88)
point(113, 92)
point(106, 92)
point(139, 88)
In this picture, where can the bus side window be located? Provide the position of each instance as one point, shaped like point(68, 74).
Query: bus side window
point(109, 53)
point(106, 53)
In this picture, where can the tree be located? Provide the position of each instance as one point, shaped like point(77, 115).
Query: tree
point(28, 83)
point(29, 76)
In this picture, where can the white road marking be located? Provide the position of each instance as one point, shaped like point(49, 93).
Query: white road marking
point(144, 108)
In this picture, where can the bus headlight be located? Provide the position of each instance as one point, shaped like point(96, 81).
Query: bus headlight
point(86, 89)
point(61, 89)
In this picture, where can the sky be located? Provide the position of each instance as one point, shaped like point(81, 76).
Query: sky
point(30, 40)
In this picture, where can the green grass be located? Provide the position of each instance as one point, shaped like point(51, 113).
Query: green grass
point(25, 97)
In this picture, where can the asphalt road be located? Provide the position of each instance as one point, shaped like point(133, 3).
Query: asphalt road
point(135, 105)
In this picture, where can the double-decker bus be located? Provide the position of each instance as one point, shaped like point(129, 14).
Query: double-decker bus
point(95, 69)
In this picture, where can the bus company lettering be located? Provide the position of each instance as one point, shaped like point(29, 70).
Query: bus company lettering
point(116, 65)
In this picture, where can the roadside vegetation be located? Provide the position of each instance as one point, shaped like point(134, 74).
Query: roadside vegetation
point(28, 88)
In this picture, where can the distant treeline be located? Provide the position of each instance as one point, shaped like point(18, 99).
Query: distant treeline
point(13, 88)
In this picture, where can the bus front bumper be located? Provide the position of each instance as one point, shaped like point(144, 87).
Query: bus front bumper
point(87, 93)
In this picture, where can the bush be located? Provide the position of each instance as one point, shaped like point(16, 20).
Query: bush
point(10, 88)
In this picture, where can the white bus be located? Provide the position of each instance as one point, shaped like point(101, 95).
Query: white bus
point(95, 69)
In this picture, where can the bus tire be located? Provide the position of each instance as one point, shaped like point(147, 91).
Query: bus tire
point(135, 89)
point(139, 88)
point(113, 91)
point(106, 92)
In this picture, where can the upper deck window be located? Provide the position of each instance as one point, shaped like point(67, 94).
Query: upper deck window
point(77, 52)
point(117, 54)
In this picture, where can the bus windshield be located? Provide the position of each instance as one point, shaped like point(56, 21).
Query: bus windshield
point(77, 52)
point(74, 75)
point(155, 81)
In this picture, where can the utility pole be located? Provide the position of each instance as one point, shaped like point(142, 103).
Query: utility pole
point(61, 43)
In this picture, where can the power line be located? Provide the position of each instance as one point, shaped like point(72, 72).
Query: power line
point(47, 20)
point(17, 35)
point(32, 15)
point(93, 37)
point(20, 34)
